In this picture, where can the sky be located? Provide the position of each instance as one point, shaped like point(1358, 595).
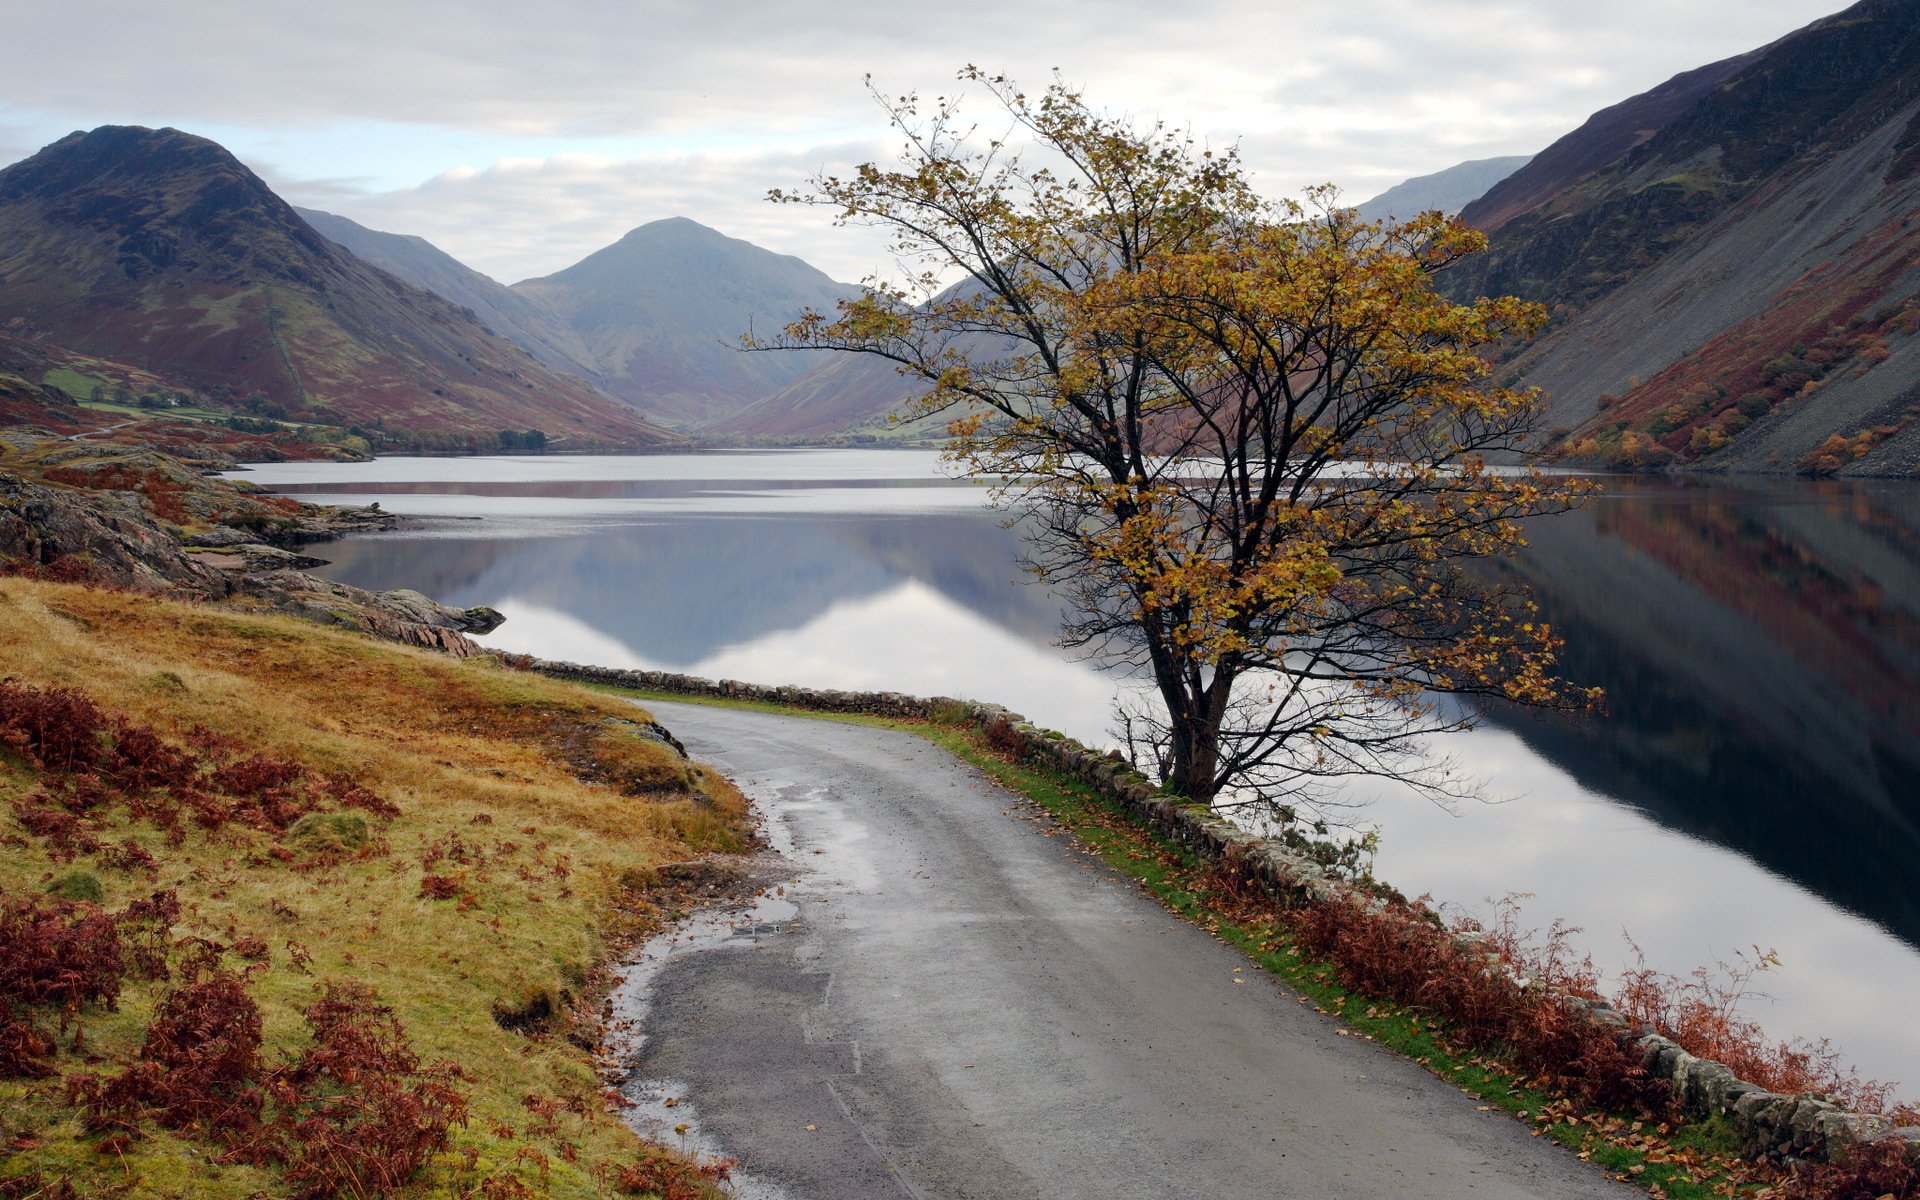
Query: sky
point(522, 135)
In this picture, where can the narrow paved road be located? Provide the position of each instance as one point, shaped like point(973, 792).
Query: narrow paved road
point(949, 999)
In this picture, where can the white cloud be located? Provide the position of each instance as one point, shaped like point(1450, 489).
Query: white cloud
point(518, 218)
point(520, 137)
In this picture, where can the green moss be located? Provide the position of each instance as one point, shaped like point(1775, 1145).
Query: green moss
point(168, 682)
point(323, 832)
point(77, 885)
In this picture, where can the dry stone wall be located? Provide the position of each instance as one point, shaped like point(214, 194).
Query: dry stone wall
point(1801, 1126)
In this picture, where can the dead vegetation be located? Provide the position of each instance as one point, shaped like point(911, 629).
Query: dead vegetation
point(264, 888)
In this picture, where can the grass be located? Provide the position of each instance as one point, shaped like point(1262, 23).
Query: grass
point(538, 801)
point(1690, 1161)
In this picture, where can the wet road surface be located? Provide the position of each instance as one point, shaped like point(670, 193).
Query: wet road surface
point(946, 998)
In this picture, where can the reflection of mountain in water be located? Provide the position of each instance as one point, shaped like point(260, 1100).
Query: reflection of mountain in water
point(1760, 644)
point(1761, 655)
point(678, 591)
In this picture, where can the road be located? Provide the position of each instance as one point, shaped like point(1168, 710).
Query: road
point(945, 997)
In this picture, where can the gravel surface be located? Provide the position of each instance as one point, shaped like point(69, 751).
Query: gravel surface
point(945, 997)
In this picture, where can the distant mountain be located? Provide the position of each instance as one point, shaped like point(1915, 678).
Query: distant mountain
point(662, 311)
point(1732, 259)
point(522, 321)
point(845, 394)
point(1448, 191)
point(159, 249)
point(836, 395)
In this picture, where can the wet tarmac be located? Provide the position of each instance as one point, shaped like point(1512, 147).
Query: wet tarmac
point(941, 995)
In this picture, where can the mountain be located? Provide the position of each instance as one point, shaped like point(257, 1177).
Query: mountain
point(836, 395)
point(1449, 191)
point(159, 249)
point(662, 311)
point(1732, 260)
point(517, 318)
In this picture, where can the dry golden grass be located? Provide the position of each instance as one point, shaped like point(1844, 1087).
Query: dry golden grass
point(532, 798)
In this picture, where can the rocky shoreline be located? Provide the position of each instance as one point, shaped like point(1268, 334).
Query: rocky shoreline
point(128, 517)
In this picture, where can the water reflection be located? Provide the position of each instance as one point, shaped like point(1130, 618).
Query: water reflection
point(676, 592)
point(1761, 652)
point(1753, 782)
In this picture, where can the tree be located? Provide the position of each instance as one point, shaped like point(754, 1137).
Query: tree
point(1248, 436)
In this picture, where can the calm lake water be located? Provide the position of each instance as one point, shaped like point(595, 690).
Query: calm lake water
point(1756, 782)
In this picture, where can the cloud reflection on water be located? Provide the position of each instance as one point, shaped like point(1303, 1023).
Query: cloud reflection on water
point(867, 644)
point(1703, 816)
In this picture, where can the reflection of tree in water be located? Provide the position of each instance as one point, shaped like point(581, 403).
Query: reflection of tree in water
point(678, 591)
point(1759, 645)
point(1762, 664)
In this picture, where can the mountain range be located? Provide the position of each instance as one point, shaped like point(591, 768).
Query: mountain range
point(1731, 260)
point(159, 249)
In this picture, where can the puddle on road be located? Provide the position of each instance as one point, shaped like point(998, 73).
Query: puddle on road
point(661, 1111)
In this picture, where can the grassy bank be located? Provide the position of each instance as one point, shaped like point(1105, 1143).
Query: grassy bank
point(336, 819)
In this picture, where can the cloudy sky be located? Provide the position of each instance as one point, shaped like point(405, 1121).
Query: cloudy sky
point(521, 135)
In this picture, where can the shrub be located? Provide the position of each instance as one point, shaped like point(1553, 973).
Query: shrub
point(55, 729)
point(59, 954)
point(1701, 1013)
point(198, 1067)
point(1401, 952)
point(64, 955)
point(1875, 1171)
point(257, 776)
point(35, 1186)
point(350, 794)
point(671, 1179)
point(359, 1114)
point(1004, 738)
point(439, 887)
point(141, 761)
point(129, 855)
point(24, 1049)
point(64, 833)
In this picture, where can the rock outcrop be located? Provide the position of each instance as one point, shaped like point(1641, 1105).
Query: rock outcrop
point(53, 523)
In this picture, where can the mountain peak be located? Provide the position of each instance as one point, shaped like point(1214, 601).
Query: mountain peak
point(163, 193)
point(159, 248)
point(662, 310)
point(123, 153)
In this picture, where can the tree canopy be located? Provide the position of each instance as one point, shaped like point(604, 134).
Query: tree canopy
point(1249, 436)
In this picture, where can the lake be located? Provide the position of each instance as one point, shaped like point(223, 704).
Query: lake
point(1755, 782)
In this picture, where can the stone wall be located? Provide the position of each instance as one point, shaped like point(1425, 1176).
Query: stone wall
point(1803, 1126)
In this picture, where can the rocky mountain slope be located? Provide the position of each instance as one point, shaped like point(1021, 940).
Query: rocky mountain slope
point(662, 311)
point(159, 249)
point(1733, 260)
point(510, 314)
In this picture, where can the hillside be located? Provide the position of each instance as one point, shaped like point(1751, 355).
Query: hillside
point(1732, 260)
point(345, 938)
point(851, 396)
point(662, 311)
point(836, 395)
point(1447, 191)
point(159, 249)
point(506, 312)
